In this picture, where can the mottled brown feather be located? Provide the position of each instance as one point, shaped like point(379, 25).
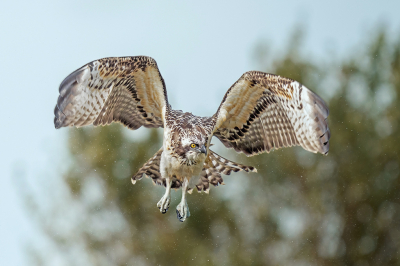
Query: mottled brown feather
point(128, 90)
point(216, 165)
point(261, 112)
point(151, 169)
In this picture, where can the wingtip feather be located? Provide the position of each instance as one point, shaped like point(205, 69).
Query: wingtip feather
point(58, 114)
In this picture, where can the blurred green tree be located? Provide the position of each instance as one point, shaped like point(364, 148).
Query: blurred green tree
point(300, 209)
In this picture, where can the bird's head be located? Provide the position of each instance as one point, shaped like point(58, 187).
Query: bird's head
point(190, 136)
point(193, 150)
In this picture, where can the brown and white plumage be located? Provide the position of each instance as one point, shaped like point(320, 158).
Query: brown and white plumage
point(128, 90)
point(264, 111)
point(214, 166)
point(260, 112)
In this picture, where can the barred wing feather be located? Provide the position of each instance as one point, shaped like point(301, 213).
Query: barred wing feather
point(261, 112)
point(128, 90)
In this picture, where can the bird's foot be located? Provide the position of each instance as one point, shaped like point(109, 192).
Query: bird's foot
point(163, 204)
point(182, 211)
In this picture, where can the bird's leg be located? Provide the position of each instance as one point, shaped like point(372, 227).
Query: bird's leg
point(163, 204)
point(182, 210)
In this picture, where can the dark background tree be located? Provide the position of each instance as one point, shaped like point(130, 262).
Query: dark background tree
point(300, 209)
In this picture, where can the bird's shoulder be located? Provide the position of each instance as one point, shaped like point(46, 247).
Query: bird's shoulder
point(187, 120)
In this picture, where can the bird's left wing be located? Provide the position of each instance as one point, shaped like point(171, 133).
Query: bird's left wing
point(129, 90)
point(263, 111)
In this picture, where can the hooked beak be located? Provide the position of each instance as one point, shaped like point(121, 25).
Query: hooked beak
point(203, 149)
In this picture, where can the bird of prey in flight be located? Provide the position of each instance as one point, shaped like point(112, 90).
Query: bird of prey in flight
point(258, 113)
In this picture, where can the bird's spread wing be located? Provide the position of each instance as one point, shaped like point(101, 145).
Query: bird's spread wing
point(263, 111)
point(129, 90)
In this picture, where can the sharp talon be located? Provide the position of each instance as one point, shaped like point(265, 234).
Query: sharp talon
point(163, 204)
point(182, 214)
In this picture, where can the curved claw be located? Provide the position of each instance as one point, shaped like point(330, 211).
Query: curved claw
point(163, 204)
point(178, 215)
point(182, 211)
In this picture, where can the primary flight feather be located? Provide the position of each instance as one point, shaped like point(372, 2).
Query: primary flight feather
point(260, 112)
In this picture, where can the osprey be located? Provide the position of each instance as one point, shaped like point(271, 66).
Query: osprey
point(258, 113)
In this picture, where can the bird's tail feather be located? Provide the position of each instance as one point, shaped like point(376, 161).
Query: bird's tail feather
point(152, 169)
point(216, 165)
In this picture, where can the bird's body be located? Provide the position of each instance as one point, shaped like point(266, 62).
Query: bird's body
point(259, 112)
point(180, 130)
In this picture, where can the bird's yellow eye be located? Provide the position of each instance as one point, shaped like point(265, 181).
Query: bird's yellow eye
point(193, 145)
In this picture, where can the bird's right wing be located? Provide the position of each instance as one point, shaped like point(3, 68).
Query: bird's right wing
point(129, 90)
point(263, 111)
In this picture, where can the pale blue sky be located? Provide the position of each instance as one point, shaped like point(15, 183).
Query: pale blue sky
point(201, 50)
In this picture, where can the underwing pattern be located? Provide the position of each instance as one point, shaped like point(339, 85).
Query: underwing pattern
point(128, 90)
point(275, 112)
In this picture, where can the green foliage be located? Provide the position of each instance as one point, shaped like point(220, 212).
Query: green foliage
point(340, 209)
